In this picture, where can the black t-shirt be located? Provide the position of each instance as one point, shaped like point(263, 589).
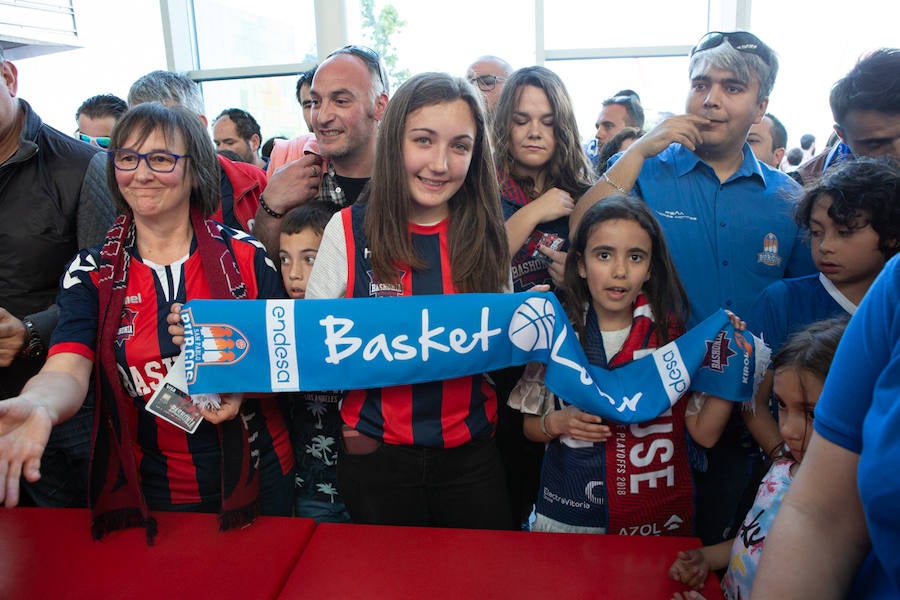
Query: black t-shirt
point(352, 186)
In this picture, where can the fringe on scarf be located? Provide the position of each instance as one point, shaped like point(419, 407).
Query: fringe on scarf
point(239, 517)
point(123, 518)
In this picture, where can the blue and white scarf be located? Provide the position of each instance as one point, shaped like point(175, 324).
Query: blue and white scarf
point(358, 343)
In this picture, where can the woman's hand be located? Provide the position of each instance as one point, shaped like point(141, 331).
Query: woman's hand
point(24, 431)
point(229, 407)
point(557, 266)
point(553, 204)
point(176, 329)
point(577, 424)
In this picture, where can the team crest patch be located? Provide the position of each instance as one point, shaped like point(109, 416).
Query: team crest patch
point(381, 290)
point(126, 329)
point(769, 256)
point(207, 344)
point(718, 351)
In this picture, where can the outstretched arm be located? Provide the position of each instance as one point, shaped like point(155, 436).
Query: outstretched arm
point(50, 397)
point(692, 567)
point(819, 537)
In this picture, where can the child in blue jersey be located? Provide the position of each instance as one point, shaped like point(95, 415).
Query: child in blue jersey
point(430, 223)
point(314, 418)
point(800, 368)
point(853, 217)
point(624, 299)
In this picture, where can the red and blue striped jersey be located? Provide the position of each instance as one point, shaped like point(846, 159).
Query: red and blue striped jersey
point(438, 414)
point(176, 467)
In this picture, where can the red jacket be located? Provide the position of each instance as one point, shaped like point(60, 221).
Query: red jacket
point(240, 194)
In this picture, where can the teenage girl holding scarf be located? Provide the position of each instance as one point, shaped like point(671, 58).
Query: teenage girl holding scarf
point(430, 224)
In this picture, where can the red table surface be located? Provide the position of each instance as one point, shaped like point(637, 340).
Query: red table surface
point(49, 553)
point(368, 561)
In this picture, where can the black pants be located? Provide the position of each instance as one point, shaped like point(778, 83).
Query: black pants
point(411, 485)
point(521, 458)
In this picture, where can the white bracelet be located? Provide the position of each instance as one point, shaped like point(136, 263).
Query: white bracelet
point(544, 426)
point(618, 187)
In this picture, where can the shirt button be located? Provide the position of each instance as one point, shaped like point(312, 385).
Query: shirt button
point(338, 190)
point(722, 224)
point(724, 263)
point(728, 303)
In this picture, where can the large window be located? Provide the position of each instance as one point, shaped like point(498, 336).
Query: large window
point(270, 100)
point(238, 33)
point(617, 24)
point(661, 82)
point(597, 47)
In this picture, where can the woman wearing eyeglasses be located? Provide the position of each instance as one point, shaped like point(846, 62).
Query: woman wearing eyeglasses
point(112, 331)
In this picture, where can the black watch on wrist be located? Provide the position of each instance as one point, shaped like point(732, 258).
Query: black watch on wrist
point(34, 345)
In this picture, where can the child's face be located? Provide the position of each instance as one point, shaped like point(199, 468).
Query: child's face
point(297, 255)
point(796, 392)
point(844, 255)
point(438, 143)
point(616, 264)
point(532, 138)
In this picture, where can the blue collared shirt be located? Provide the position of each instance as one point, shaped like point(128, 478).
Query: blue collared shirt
point(728, 240)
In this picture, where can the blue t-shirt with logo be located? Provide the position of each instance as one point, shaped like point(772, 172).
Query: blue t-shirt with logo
point(728, 240)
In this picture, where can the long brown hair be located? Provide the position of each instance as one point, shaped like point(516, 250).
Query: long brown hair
point(568, 168)
point(664, 289)
point(479, 256)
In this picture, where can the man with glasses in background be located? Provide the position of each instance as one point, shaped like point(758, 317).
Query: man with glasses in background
point(54, 202)
point(728, 223)
point(489, 75)
point(96, 118)
point(349, 94)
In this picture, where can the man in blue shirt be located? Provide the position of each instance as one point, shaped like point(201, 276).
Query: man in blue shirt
point(728, 220)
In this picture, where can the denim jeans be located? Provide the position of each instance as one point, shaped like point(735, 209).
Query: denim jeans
point(412, 485)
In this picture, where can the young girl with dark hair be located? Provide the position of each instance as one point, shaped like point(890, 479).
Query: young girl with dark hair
point(800, 367)
point(625, 299)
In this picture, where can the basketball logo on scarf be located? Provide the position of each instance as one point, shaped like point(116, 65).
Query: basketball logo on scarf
point(531, 326)
point(718, 351)
point(208, 344)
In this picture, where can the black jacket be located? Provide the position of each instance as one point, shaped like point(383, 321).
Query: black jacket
point(53, 201)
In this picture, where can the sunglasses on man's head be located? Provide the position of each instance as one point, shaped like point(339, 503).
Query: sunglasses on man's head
point(629, 100)
point(101, 141)
point(742, 41)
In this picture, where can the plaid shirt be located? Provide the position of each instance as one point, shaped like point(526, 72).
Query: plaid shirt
point(329, 190)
